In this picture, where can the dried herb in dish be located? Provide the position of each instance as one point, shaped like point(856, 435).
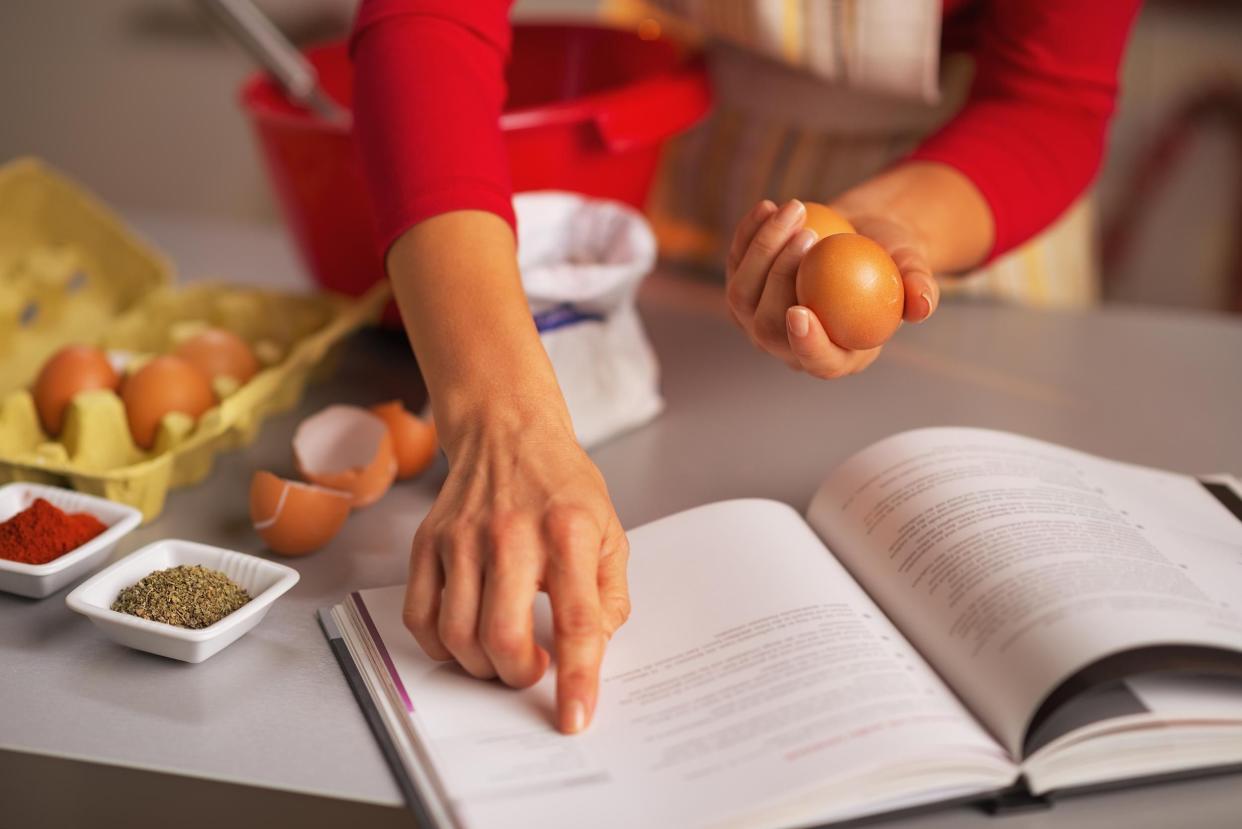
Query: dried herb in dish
point(188, 596)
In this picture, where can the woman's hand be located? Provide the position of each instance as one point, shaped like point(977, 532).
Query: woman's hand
point(523, 510)
point(762, 267)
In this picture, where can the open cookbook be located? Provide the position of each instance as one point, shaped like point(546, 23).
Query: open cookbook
point(961, 615)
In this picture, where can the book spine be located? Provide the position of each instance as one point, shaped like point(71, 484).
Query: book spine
point(1017, 798)
point(354, 679)
point(1226, 495)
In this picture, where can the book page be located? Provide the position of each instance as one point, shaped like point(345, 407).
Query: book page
point(1156, 725)
point(1011, 563)
point(752, 671)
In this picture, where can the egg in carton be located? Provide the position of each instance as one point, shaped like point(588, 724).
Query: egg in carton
point(70, 272)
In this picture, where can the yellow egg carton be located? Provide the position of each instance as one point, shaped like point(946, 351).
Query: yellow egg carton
point(71, 272)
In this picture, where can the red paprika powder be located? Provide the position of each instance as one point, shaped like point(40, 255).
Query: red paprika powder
point(42, 532)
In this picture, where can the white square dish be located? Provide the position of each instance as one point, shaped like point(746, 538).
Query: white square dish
point(39, 580)
point(264, 580)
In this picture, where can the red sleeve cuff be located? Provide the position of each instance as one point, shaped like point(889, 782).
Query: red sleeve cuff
point(988, 176)
point(452, 195)
point(1029, 164)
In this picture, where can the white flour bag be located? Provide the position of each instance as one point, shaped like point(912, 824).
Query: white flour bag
point(582, 260)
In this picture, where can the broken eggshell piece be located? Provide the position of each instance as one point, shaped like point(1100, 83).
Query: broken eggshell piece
point(346, 448)
point(294, 518)
point(413, 439)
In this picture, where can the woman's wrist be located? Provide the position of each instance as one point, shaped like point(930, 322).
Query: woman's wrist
point(456, 281)
point(533, 414)
point(937, 204)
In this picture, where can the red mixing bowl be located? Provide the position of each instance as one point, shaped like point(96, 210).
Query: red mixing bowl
point(589, 109)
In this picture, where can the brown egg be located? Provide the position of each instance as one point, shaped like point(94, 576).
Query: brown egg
point(413, 439)
point(73, 369)
point(825, 221)
point(346, 448)
point(854, 287)
point(164, 384)
point(218, 352)
point(294, 518)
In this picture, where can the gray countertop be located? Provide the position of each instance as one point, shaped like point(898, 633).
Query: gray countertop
point(273, 711)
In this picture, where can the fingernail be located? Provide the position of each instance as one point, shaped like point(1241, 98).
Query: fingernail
point(805, 239)
point(926, 301)
point(575, 717)
point(790, 213)
point(799, 322)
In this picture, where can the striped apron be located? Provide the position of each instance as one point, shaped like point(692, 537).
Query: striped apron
point(813, 97)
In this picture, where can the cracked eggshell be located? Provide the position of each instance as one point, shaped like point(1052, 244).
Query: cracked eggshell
point(346, 448)
point(294, 518)
point(413, 439)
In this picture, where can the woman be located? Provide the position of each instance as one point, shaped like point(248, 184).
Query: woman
point(523, 508)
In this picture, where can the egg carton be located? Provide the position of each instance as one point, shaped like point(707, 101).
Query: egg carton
point(71, 272)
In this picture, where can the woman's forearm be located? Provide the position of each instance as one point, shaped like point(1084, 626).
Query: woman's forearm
point(938, 204)
point(456, 281)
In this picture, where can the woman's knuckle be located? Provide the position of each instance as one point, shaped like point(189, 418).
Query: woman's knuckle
point(787, 262)
point(461, 556)
point(576, 678)
point(568, 523)
point(769, 334)
point(621, 546)
point(424, 542)
point(457, 636)
point(734, 296)
point(504, 530)
point(576, 620)
point(458, 531)
point(767, 243)
point(462, 559)
point(770, 238)
point(417, 619)
point(502, 639)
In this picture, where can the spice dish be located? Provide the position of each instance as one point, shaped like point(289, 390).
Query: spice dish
point(264, 580)
point(39, 580)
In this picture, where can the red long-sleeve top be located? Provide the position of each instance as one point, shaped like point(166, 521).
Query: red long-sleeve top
point(429, 88)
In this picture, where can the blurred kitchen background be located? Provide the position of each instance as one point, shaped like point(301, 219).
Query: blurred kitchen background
point(137, 99)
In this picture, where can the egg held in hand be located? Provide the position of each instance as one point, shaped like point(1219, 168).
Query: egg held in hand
point(825, 221)
point(163, 385)
point(67, 373)
point(218, 352)
point(854, 287)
